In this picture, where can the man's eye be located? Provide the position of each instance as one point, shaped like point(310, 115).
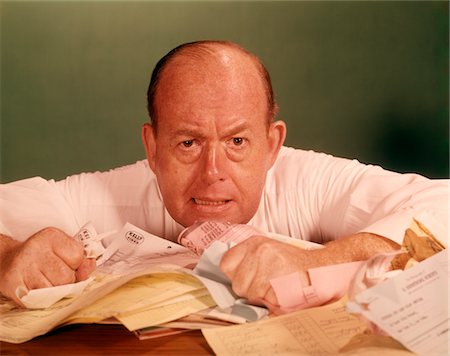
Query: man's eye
point(187, 143)
point(238, 141)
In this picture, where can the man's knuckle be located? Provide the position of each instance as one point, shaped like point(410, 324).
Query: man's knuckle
point(77, 253)
point(63, 276)
point(45, 235)
point(50, 231)
point(264, 247)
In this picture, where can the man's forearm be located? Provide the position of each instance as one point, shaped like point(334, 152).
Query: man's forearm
point(358, 247)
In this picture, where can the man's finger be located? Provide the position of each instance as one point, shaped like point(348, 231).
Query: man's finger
point(37, 280)
point(231, 260)
point(85, 269)
point(270, 298)
point(258, 291)
point(58, 272)
point(69, 250)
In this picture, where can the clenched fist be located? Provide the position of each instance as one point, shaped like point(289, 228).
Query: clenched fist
point(48, 258)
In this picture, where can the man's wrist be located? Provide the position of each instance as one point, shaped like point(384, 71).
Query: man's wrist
point(6, 245)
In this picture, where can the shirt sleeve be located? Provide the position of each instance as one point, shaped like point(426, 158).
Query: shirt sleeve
point(327, 198)
point(108, 200)
point(29, 205)
point(375, 200)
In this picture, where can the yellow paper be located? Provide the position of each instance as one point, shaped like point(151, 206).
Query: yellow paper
point(19, 325)
point(165, 312)
point(323, 330)
point(142, 292)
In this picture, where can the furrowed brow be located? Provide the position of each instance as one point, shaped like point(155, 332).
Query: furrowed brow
point(188, 133)
point(235, 129)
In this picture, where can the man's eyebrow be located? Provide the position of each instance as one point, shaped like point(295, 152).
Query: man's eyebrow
point(231, 130)
point(187, 132)
point(238, 127)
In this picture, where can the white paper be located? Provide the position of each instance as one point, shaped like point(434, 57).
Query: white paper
point(132, 249)
point(45, 297)
point(412, 307)
point(129, 251)
point(209, 273)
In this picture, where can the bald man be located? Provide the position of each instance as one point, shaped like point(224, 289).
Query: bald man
point(215, 152)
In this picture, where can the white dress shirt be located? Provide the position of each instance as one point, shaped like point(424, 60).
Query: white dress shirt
point(307, 195)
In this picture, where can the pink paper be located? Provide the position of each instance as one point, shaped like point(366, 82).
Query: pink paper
point(288, 290)
point(328, 283)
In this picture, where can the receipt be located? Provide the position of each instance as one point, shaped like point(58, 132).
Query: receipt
point(91, 241)
point(412, 307)
point(404, 294)
point(201, 235)
point(131, 248)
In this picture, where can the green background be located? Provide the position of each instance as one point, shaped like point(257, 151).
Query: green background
point(364, 80)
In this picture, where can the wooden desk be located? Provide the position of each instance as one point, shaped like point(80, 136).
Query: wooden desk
point(97, 339)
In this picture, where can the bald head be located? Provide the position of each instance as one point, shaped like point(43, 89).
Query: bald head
point(213, 59)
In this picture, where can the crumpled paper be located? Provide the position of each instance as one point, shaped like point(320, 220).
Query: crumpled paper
point(418, 244)
point(46, 297)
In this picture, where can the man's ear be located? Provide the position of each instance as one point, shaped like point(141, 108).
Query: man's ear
point(149, 140)
point(277, 135)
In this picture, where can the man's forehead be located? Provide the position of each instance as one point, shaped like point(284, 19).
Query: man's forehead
point(209, 79)
point(222, 84)
point(219, 59)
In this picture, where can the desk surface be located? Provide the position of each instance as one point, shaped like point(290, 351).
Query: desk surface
point(96, 339)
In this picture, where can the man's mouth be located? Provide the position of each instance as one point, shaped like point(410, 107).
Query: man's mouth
point(210, 202)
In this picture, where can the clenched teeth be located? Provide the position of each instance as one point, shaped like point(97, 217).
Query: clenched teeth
point(210, 202)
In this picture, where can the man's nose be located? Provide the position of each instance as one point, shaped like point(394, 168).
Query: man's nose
point(213, 164)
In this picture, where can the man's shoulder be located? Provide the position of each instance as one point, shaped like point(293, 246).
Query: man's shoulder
point(134, 176)
point(293, 165)
point(290, 155)
point(138, 169)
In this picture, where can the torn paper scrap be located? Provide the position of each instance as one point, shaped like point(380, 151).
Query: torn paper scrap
point(201, 235)
point(328, 283)
point(45, 297)
point(90, 240)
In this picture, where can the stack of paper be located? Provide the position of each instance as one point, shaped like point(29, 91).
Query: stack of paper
point(133, 283)
point(168, 294)
point(136, 286)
